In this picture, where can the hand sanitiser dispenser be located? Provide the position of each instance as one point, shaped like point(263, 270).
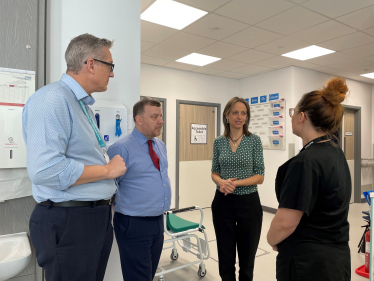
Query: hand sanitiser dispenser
point(16, 86)
point(12, 146)
point(111, 118)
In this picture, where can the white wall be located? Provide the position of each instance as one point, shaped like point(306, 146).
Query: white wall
point(278, 81)
point(174, 84)
point(360, 94)
point(291, 83)
point(118, 20)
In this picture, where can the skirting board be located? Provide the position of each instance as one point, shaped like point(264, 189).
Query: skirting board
point(269, 210)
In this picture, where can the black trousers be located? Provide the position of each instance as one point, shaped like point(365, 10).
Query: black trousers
point(140, 241)
point(72, 243)
point(308, 261)
point(237, 222)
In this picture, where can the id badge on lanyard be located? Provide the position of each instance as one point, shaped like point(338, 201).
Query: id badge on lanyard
point(97, 134)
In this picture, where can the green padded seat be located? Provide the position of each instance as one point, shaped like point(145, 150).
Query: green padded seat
point(177, 224)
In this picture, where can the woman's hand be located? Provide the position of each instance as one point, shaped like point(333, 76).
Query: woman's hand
point(227, 186)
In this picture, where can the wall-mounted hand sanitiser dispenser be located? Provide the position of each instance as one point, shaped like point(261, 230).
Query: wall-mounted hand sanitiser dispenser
point(111, 118)
point(12, 145)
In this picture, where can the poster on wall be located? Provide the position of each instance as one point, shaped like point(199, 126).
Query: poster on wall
point(267, 120)
point(199, 133)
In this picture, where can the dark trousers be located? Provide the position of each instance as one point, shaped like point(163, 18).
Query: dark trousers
point(140, 241)
point(237, 222)
point(72, 243)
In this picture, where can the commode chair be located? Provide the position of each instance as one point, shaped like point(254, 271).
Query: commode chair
point(181, 231)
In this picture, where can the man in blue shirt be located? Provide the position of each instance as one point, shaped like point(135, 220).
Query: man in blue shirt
point(72, 178)
point(143, 195)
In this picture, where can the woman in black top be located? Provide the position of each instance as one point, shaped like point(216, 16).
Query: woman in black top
point(310, 229)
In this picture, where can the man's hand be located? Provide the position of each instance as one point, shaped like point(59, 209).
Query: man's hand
point(227, 186)
point(116, 167)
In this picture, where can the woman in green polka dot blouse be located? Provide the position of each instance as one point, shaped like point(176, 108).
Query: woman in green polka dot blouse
point(237, 169)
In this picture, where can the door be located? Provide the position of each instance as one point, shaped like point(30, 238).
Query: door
point(349, 143)
point(197, 131)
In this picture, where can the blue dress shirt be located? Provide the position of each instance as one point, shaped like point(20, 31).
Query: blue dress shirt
point(143, 190)
point(60, 142)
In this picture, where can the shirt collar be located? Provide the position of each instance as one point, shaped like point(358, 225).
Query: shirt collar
point(77, 89)
point(316, 140)
point(142, 139)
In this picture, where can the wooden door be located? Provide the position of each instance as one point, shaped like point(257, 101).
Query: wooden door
point(196, 187)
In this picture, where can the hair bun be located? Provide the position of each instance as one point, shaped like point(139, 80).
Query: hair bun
point(334, 90)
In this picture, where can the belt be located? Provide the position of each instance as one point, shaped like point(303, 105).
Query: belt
point(78, 203)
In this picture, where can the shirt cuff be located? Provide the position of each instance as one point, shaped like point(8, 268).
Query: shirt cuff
point(71, 174)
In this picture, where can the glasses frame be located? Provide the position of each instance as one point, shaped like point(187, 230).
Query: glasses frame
point(104, 62)
point(291, 111)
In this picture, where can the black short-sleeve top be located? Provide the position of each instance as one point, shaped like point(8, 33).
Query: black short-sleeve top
point(317, 181)
point(246, 162)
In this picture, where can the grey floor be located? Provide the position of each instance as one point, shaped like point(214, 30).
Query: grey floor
point(265, 260)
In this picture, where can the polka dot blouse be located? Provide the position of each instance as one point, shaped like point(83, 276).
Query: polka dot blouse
point(246, 162)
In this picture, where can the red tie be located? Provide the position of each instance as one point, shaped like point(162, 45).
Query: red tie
point(154, 156)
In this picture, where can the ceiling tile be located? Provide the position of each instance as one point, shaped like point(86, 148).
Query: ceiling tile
point(347, 41)
point(153, 60)
point(251, 69)
point(226, 64)
point(224, 27)
point(207, 5)
point(370, 58)
point(234, 75)
point(167, 53)
point(369, 31)
point(344, 66)
point(362, 51)
point(145, 46)
point(179, 65)
point(221, 50)
point(252, 37)
point(155, 33)
point(207, 70)
point(251, 56)
point(333, 9)
point(324, 69)
point(253, 11)
point(324, 31)
point(187, 41)
point(305, 64)
point(292, 20)
point(283, 45)
point(144, 4)
point(298, 1)
point(362, 70)
point(361, 19)
point(331, 59)
point(277, 62)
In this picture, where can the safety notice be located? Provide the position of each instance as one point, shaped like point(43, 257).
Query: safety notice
point(199, 133)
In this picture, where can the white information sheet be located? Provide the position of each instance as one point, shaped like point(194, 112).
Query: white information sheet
point(16, 86)
point(199, 133)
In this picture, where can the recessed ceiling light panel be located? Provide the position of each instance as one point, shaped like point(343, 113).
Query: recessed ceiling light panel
point(368, 75)
point(198, 59)
point(172, 14)
point(308, 53)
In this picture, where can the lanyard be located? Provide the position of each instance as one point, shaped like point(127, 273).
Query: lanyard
point(99, 139)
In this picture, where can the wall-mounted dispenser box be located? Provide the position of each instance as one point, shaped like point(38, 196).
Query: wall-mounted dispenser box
point(12, 145)
point(111, 117)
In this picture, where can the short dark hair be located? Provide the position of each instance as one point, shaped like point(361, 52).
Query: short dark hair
point(139, 106)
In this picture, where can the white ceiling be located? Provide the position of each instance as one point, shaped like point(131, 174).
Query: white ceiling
point(251, 35)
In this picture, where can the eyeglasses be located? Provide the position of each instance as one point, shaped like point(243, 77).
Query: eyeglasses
point(104, 62)
point(292, 111)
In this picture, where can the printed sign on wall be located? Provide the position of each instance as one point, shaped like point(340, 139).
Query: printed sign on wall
point(199, 133)
point(254, 100)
